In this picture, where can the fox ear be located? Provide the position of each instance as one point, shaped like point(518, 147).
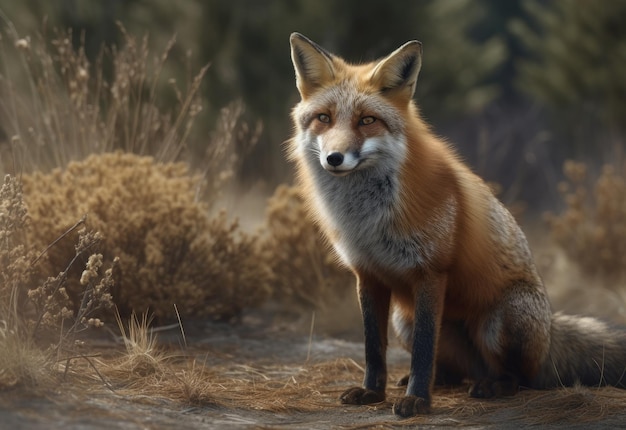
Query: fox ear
point(397, 73)
point(314, 65)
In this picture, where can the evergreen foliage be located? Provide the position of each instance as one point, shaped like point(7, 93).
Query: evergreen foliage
point(576, 64)
point(563, 59)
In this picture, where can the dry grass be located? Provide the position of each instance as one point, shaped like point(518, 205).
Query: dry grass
point(142, 356)
point(312, 390)
point(571, 405)
point(22, 362)
point(58, 106)
point(189, 380)
point(261, 388)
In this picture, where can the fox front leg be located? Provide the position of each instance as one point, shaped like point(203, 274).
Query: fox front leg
point(374, 299)
point(427, 321)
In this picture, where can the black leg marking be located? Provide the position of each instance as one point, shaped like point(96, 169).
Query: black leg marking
point(425, 332)
point(374, 300)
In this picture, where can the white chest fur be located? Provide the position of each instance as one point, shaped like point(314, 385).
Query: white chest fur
point(361, 208)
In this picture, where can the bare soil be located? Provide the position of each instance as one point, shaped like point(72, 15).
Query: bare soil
point(261, 373)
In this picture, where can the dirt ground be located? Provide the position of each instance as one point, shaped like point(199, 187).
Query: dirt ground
point(275, 376)
point(287, 372)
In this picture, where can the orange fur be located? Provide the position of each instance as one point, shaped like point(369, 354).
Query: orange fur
point(424, 235)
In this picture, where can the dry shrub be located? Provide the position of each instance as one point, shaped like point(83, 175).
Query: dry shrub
point(54, 310)
point(20, 360)
point(306, 270)
point(149, 243)
point(60, 107)
point(33, 310)
point(592, 227)
point(171, 252)
point(15, 257)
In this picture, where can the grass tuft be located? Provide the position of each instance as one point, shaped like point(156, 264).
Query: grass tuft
point(142, 357)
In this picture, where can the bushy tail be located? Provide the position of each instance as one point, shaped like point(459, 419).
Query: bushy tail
point(583, 351)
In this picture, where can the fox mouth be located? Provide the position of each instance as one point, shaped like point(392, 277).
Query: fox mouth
point(339, 172)
point(344, 170)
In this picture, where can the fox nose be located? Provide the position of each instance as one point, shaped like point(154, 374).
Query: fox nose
point(335, 159)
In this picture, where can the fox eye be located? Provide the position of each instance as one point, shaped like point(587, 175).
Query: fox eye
point(323, 118)
point(367, 120)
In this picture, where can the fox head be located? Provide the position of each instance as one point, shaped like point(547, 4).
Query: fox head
point(352, 117)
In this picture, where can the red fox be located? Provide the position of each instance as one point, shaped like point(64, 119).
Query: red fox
point(429, 243)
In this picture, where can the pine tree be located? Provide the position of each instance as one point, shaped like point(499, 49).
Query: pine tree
point(576, 63)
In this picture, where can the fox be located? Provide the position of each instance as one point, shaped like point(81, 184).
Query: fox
point(431, 247)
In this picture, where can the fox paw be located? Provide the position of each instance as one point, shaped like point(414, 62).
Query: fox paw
point(361, 396)
point(403, 382)
point(442, 379)
point(410, 406)
point(489, 388)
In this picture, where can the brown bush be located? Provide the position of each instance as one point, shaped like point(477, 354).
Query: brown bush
point(60, 106)
point(171, 252)
point(592, 227)
point(305, 268)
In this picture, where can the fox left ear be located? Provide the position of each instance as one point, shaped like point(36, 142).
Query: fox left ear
point(397, 73)
point(314, 66)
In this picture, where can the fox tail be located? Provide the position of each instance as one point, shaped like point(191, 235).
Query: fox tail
point(584, 351)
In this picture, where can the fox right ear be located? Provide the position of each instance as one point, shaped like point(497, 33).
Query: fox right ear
point(313, 65)
point(397, 73)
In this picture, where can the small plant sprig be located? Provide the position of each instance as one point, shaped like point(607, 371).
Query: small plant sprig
point(52, 301)
point(20, 361)
point(26, 312)
point(15, 268)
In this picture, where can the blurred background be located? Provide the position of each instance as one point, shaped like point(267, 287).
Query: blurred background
point(517, 86)
point(531, 93)
point(143, 181)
